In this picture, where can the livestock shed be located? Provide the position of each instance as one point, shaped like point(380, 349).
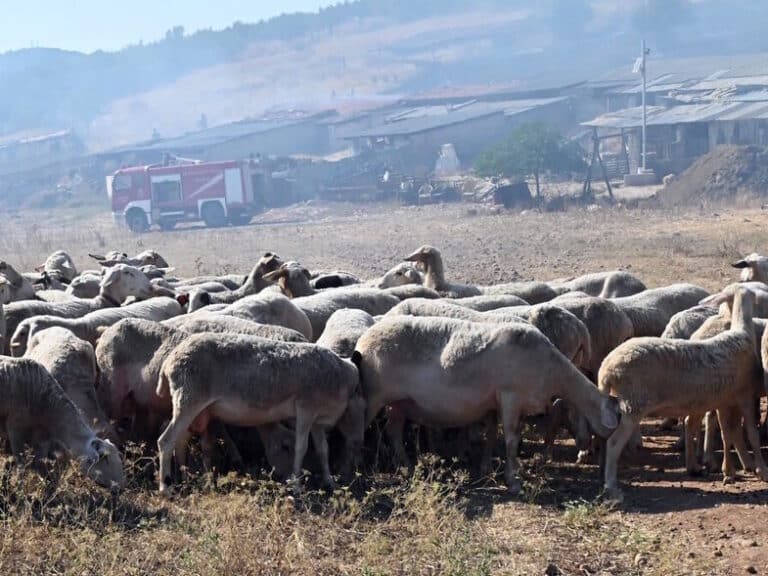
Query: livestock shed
point(680, 134)
point(411, 137)
point(24, 152)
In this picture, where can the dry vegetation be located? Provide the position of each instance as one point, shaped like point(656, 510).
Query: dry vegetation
point(440, 521)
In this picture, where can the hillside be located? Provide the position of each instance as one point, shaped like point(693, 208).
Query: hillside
point(346, 53)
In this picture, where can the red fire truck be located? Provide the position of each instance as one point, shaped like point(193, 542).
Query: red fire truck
point(217, 193)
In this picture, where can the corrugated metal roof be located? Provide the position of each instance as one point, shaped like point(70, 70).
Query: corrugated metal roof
point(721, 83)
point(684, 114)
point(426, 118)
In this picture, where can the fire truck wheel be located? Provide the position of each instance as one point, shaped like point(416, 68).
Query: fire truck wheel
point(137, 221)
point(213, 215)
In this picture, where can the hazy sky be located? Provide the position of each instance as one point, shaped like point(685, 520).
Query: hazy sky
point(88, 25)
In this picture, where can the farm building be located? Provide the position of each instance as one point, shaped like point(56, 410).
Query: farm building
point(27, 152)
point(410, 138)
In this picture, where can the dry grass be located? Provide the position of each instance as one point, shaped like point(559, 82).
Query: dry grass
point(437, 522)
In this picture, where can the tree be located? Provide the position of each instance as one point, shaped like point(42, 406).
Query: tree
point(531, 150)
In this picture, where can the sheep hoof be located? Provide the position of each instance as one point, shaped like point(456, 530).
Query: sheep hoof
point(165, 490)
point(762, 474)
point(613, 496)
point(729, 479)
point(583, 457)
point(514, 486)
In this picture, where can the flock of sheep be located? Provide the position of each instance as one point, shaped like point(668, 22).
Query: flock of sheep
point(128, 352)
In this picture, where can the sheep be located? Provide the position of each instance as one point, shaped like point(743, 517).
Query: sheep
point(343, 329)
point(271, 308)
point(319, 307)
point(613, 284)
point(72, 362)
point(251, 381)
point(486, 303)
point(142, 259)
point(84, 286)
point(434, 277)
point(60, 265)
point(89, 326)
point(257, 280)
point(37, 413)
point(754, 268)
point(650, 311)
point(725, 296)
point(20, 287)
point(402, 274)
point(119, 283)
point(406, 291)
point(54, 296)
point(680, 377)
point(683, 324)
point(453, 373)
point(230, 281)
point(130, 354)
point(321, 280)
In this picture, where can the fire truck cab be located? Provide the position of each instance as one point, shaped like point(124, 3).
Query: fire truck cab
point(217, 193)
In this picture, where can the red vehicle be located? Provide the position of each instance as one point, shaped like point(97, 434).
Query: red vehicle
point(164, 194)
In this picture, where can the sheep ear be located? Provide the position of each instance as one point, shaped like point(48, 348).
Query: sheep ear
point(415, 257)
point(275, 275)
point(182, 299)
point(205, 298)
point(609, 413)
point(740, 264)
point(306, 273)
point(97, 257)
point(715, 299)
point(40, 268)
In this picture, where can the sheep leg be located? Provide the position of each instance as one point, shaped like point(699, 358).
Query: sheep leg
point(394, 431)
point(176, 430)
point(692, 432)
point(303, 428)
point(17, 440)
point(510, 420)
point(730, 430)
point(710, 426)
point(208, 446)
point(320, 441)
point(491, 430)
point(750, 423)
point(613, 448)
point(235, 458)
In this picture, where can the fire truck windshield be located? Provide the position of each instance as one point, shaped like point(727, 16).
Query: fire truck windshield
point(122, 182)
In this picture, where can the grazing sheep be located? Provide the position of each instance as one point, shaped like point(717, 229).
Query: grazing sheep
point(650, 311)
point(434, 277)
point(248, 381)
point(257, 280)
point(613, 284)
point(683, 324)
point(19, 286)
point(319, 307)
point(448, 372)
point(343, 329)
point(37, 413)
point(675, 378)
point(60, 265)
point(271, 308)
point(72, 362)
point(754, 268)
point(89, 326)
point(119, 283)
point(195, 323)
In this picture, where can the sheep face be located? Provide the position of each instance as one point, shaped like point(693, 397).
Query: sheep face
point(423, 254)
point(293, 279)
point(103, 465)
point(22, 335)
point(754, 268)
point(279, 448)
point(150, 258)
point(608, 419)
point(400, 275)
point(122, 281)
point(5, 290)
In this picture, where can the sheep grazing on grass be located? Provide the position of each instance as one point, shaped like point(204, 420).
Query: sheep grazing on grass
point(89, 327)
point(651, 311)
point(72, 362)
point(36, 413)
point(343, 329)
point(452, 373)
point(247, 381)
point(678, 378)
point(434, 277)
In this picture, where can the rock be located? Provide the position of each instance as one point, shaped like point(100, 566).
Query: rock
point(751, 570)
point(552, 570)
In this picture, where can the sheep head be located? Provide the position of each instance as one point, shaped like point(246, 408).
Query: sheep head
point(293, 280)
point(753, 268)
point(102, 463)
point(400, 275)
point(122, 281)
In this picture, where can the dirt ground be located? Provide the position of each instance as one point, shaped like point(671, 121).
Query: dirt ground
point(669, 524)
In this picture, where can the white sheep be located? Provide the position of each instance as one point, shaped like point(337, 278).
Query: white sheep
point(72, 362)
point(60, 265)
point(37, 413)
point(144, 258)
point(613, 284)
point(401, 274)
point(89, 327)
point(343, 329)
point(20, 287)
point(683, 324)
point(650, 311)
point(252, 381)
point(754, 268)
point(270, 308)
point(675, 378)
point(454, 373)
